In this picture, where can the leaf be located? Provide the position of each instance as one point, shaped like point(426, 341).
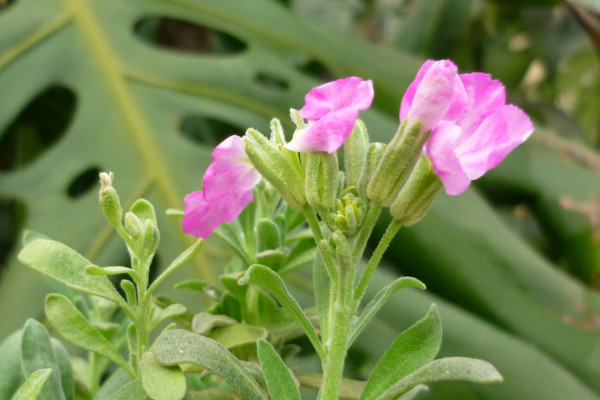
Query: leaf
point(37, 353)
point(33, 386)
point(379, 300)
point(130, 391)
point(268, 235)
point(63, 360)
point(177, 262)
point(203, 323)
point(11, 374)
point(73, 326)
point(172, 310)
point(160, 382)
point(269, 280)
point(349, 388)
point(65, 265)
point(177, 346)
point(412, 393)
point(238, 334)
point(116, 381)
point(446, 369)
point(153, 114)
point(279, 379)
point(412, 349)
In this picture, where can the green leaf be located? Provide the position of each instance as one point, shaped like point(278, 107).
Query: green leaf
point(38, 353)
point(63, 360)
point(65, 265)
point(130, 391)
point(172, 310)
point(176, 263)
point(349, 388)
point(445, 369)
point(116, 381)
point(144, 210)
point(280, 381)
point(379, 300)
point(160, 382)
point(210, 394)
point(203, 323)
point(238, 334)
point(177, 346)
point(201, 286)
point(268, 235)
point(415, 347)
point(33, 386)
point(11, 374)
point(270, 281)
point(73, 326)
point(412, 393)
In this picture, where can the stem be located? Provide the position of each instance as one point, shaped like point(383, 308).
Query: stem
point(340, 318)
point(313, 222)
point(366, 230)
point(387, 237)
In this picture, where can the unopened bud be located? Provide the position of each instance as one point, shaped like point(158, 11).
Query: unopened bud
point(397, 163)
point(355, 153)
point(133, 225)
point(320, 183)
point(415, 198)
point(151, 237)
point(374, 156)
point(109, 199)
point(271, 164)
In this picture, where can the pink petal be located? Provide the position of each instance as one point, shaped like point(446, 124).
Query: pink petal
point(326, 134)
point(499, 134)
point(440, 151)
point(350, 92)
point(434, 93)
point(484, 97)
point(202, 217)
point(230, 170)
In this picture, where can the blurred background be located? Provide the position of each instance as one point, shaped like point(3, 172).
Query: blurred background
point(146, 88)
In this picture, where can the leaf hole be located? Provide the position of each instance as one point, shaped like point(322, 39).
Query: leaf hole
point(316, 69)
point(83, 182)
point(189, 37)
point(4, 4)
point(13, 213)
point(39, 125)
point(207, 131)
point(271, 82)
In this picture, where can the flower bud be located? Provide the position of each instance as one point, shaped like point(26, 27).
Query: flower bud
point(397, 162)
point(374, 155)
point(320, 184)
point(151, 237)
point(355, 153)
point(109, 199)
point(268, 160)
point(415, 198)
point(133, 225)
point(349, 214)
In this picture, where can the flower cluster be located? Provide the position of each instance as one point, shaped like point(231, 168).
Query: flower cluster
point(464, 121)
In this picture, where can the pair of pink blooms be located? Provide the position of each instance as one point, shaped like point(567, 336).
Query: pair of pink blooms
point(472, 131)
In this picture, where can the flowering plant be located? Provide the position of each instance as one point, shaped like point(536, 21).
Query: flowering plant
point(281, 205)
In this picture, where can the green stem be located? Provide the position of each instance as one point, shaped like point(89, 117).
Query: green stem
point(313, 222)
point(366, 230)
point(385, 241)
point(340, 318)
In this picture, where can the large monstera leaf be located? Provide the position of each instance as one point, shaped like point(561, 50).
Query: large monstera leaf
point(132, 102)
point(151, 113)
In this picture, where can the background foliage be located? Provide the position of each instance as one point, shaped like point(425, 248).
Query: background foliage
point(145, 88)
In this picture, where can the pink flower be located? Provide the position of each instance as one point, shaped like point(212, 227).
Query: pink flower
point(467, 143)
point(227, 185)
point(331, 111)
point(437, 93)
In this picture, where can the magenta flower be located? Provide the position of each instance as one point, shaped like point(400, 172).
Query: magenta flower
point(436, 94)
point(468, 143)
point(227, 185)
point(331, 111)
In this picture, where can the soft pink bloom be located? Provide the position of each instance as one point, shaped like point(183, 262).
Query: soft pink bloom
point(227, 185)
point(331, 111)
point(436, 94)
point(466, 144)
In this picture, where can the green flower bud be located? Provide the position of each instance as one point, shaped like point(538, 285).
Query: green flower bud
point(349, 214)
point(415, 198)
point(109, 199)
point(151, 237)
point(320, 184)
point(397, 163)
point(271, 164)
point(342, 253)
point(133, 225)
point(374, 155)
point(355, 153)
